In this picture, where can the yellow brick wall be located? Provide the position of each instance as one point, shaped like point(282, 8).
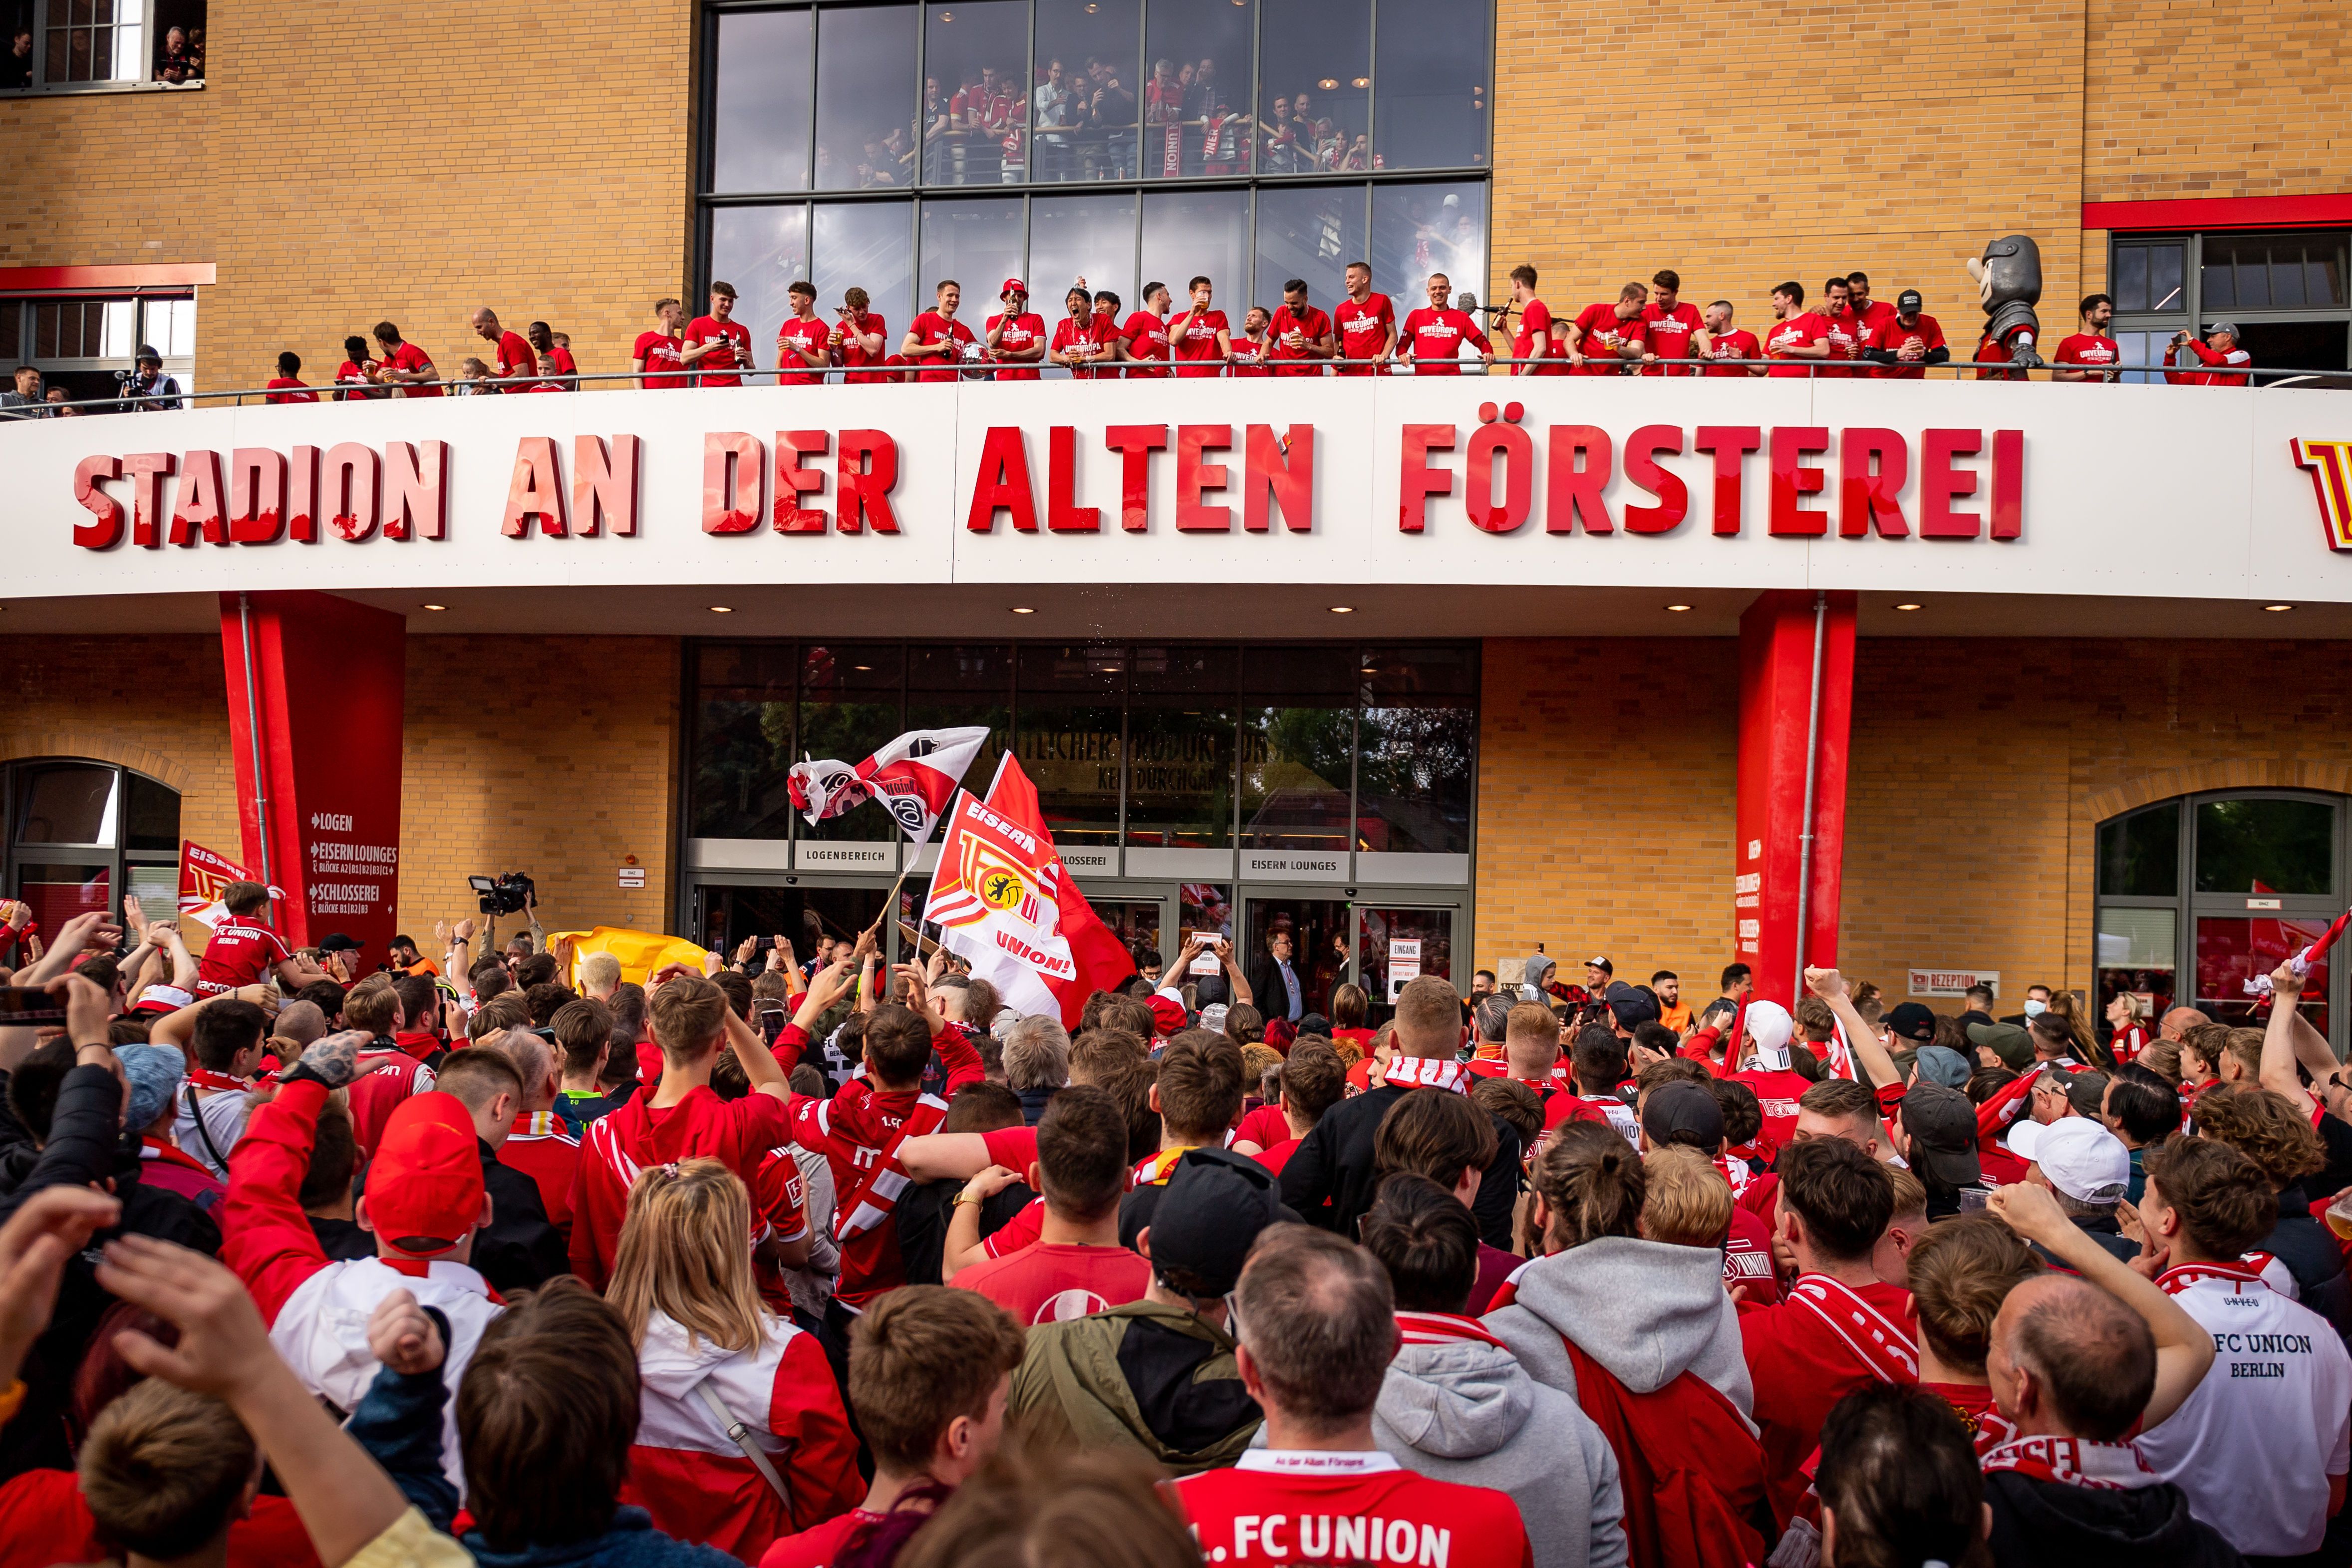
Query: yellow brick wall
point(367, 159)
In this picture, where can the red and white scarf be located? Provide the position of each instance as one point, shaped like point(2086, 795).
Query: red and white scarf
point(868, 1205)
point(1736, 1171)
point(1443, 1329)
point(2071, 1461)
point(1879, 1342)
point(2173, 1281)
point(1426, 1072)
point(213, 1082)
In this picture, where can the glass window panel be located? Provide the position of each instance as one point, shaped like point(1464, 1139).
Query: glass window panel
point(1396, 945)
point(849, 710)
point(2131, 277)
point(58, 893)
point(959, 684)
point(742, 741)
point(2323, 273)
point(157, 888)
point(1204, 907)
point(975, 59)
point(1310, 233)
point(2231, 951)
point(2265, 847)
point(2138, 955)
point(2218, 279)
point(1430, 110)
point(1318, 930)
point(12, 331)
point(1097, 43)
point(864, 97)
point(864, 245)
point(2141, 348)
point(1180, 728)
point(69, 803)
point(1420, 229)
point(765, 101)
point(1072, 236)
point(1315, 79)
point(976, 241)
point(152, 820)
point(2165, 268)
point(1069, 737)
point(2139, 855)
point(1295, 777)
point(1277, 672)
point(1196, 94)
point(1414, 764)
point(1205, 234)
point(761, 251)
point(2286, 273)
point(1136, 923)
point(117, 325)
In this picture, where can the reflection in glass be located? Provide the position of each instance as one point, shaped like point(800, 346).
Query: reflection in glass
point(1317, 929)
point(1293, 777)
point(868, 246)
point(975, 108)
point(1092, 112)
point(1206, 907)
point(1312, 232)
point(950, 684)
point(1420, 229)
point(1413, 784)
point(1069, 737)
point(2231, 951)
point(2139, 855)
point(742, 742)
point(1136, 923)
point(1072, 236)
point(1196, 94)
point(2139, 952)
point(1180, 789)
point(1202, 233)
point(1314, 87)
point(1395, 946)
point(849, 710)
point(2265, 847)
point(976, 241)
point(58, 893)
point(72, 802)
point(759, 131)
point(153, 821)
point(761, 250)
point(806, 916)
point(866, 97)
point(1433, 97)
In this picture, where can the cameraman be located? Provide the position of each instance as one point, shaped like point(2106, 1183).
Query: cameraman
point(148, 388)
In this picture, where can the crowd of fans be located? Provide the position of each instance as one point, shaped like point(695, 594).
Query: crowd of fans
point(335, 1257)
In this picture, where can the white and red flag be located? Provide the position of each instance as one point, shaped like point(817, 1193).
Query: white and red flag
point(914, 777)
point(1005, 902)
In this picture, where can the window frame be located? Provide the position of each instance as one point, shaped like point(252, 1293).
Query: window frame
point(143, 82)
point(2193, 309)
point(119, 858)
point(180, 367)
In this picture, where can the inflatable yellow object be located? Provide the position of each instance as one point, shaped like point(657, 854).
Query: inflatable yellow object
point(640, 951)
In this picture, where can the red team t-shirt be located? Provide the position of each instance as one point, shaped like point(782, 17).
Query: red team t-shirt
point(1534, 341)
point(1847, 337)
point(2091, 351)
point(239, 953)
point(1799, 331)
point(1311, 328)
point(1363, 329)
point(1146, 336)
point(557, 361)
point(930, 328)
point(811, 336)
point(285, 389)
point(354, 384)
point(514, 363)
point(1600, 333)
point(657, 352)
point(1739, 343)
point(1021, 333)
point(735, 348)
point(1893, 335)
point(1276, 1508)
point(411, 358)
point(1668, 333)
point(1249, 355)
point(854, 353)
point(1074, 332)
point(1052, 1284)
point(1193, 342)
point(1437, 337)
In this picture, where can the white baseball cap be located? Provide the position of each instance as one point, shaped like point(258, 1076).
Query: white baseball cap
point(1769, 1026)
point(2080, 1159)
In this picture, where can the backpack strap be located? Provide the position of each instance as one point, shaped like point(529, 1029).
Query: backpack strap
point(204, 1134)
point(740, 1431)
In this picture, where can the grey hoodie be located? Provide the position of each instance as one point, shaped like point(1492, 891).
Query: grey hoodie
point(1467, 1412)
point(1646, 1310)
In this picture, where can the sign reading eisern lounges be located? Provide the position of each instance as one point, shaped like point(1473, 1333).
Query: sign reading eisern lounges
point(1947, 486)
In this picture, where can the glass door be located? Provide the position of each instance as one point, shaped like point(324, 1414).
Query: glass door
point(727, 912)
point(1394, 945)
point(1314, 936)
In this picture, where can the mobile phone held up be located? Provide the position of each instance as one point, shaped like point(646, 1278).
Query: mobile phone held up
point(24, 1006)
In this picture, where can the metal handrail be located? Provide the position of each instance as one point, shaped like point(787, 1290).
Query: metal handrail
point(988, 369)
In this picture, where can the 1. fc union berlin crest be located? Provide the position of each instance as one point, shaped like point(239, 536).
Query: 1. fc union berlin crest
point(2329, 463)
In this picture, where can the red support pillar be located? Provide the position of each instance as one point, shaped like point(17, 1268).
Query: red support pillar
point(316, 691)
point(1792, 643)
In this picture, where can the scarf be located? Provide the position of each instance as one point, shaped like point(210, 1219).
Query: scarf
point(1444, 1328)
point(2071, 1461)
point(1736, 1171)
point(1428, 1072)
point(870, 1203)
point(213, 1082)
point(2173, 1281)
point(1880, 1343)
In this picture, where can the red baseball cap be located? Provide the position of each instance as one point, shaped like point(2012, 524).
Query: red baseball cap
point(425, 1184)
point(1010, 285)
point(1167, 1014)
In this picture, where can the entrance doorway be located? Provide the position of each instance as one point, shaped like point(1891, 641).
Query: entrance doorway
point(727, 912)
point(1375, 938)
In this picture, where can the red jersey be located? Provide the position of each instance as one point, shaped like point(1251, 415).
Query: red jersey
point(1892, 333)
point(44, 1520)
point(618, 1147)
point(387, 1075)
point(410, 358)
point(1873, 313)
point(1249, 355)
point(1264, 1127)
point(1312, 328)
point(734, 350)
point(1668, 333)
point(1042, 1284)
point(930, 327)
point(1776, 1094)
point(2090, 351)
point(542, 1148)
point(1021, 333)
point(1146, 336)
point(1437, 338)
point(1846, 336)
point(557, 361)
point(1799, 331)
point(352, 380)
point(809, 336)
point(1600, 332)
point(1364, 330)
point(1825, 1340)
point(1076, 332)
point(657, 352)
point(1534, 341)
point(854, 352)
point(1736, 344)
point(1193, 342)
point(816, 1548)
point(1281, 1508)
point(285, 389)
point(514, 363)
point(1972, 1403)
point(239, 953)
point(1747, 1257)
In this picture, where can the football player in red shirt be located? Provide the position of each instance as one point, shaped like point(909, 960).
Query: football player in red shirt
point(719, 343)
point(1201, 339)
point(1797, 334)
point(2090, 355)
point(1539, 337)
point(1249, 351)
point(1669, 326)
point(1299, 332)
point(1076, 345)
point(803, 343)
point(862, 337)
point(1721, 342)
point(1906, 342)
point(1871, 312)
point(1142, 339)
point(657, 349)
point(404, 365)
point(357, 372)
point(1844, 332)
point(1604, 336)
point(554, 359)
point(1432, 336)
point(1365, 322)
point(1016, 337)
point(937, 339)
point(284, 387)
point(516, 365)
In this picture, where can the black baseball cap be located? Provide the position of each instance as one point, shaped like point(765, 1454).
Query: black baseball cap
point(1909, 301)
point(1911, 1021)
point(336, 941)
point(1941, 1124)
point(1209, 1217)
point(1685, 1114)
point(1633, 1008)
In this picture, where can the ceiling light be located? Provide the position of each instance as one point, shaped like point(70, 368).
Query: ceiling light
point(861, 666)
point(1361, 82)
point(1023, 610)
point(436, 607)
point(722, 610)
point(1343, 609)
point(1369, 669)
point(1907, 606)
point(1678, 609)
point(2278, 607)
point(1328, 83)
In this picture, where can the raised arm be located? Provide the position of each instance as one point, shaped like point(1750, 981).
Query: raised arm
point(1830, 986)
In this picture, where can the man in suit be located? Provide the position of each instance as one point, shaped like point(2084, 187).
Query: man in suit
point(1280, 989)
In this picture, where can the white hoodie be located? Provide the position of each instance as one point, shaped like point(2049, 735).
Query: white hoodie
point(1646, 1310)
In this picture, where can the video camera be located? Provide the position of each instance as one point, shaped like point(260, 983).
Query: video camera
point(504, 895)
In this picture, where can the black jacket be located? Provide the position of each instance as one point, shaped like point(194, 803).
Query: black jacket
point(2309, 1251)
point(2049, 1524)
point(923, 1212)
point(2103, 1229)
point(1334, 1162)
point(1270, 996)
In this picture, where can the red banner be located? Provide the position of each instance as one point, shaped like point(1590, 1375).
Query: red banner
point(316, 689)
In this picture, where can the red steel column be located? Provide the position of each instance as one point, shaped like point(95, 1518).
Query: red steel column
point(1779, 635)
point(317, 687)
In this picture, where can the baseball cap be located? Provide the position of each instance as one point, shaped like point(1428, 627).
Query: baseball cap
point(1769, 1026)
point(155, 1072)
point(336, 941)
point(1600, 963)
point(2087, 1092)
point(1210, 1217)
point(1010, 285)
point(2083, 1160)
point(2012, 1045)
point(1213, 1016)
point(1632, 1006)
point(147, 354)
point(1943, 1065)
point(1909, 301)
point(1684, 1113)
point(2229, 327)
point(1167, 1014)
point(1941, 1126)
point(425, 1184)
point(1911, 1021)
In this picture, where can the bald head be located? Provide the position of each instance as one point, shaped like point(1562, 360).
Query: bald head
point(2069, 1360)
point(2179, 1021)
point(301, 1022)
